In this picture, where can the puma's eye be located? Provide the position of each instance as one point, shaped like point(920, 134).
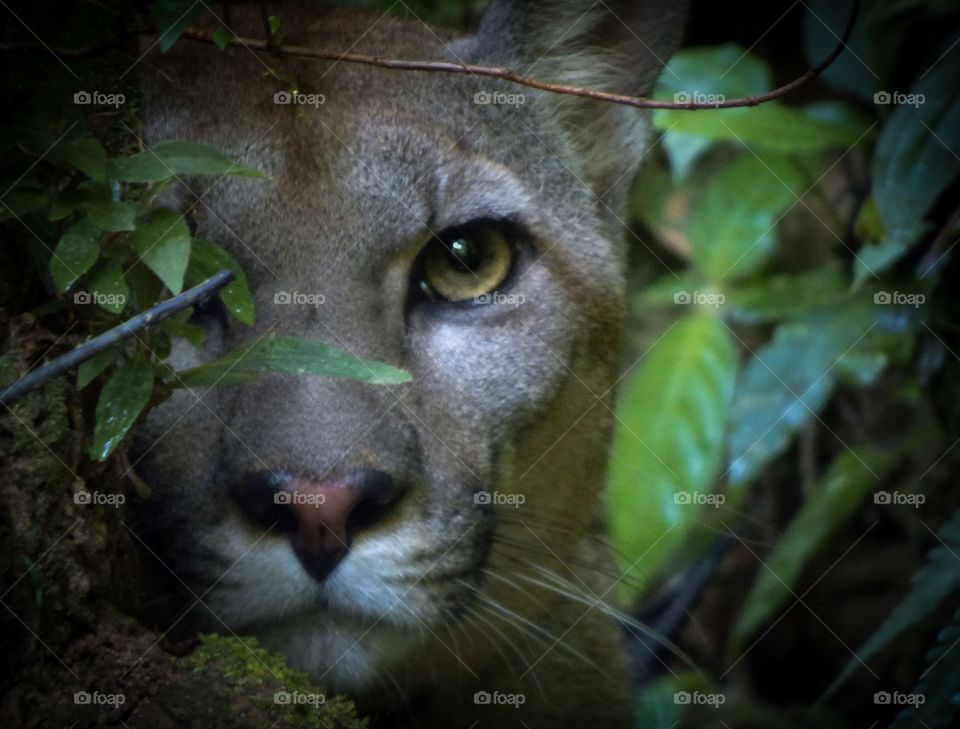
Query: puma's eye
point(464, 263)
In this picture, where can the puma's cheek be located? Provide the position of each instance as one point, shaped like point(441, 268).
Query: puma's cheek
point(494, 371)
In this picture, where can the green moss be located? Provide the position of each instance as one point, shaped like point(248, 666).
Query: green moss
point(264, 676)
point(43, 411)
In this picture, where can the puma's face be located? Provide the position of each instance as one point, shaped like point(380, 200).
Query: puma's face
point(476, 245)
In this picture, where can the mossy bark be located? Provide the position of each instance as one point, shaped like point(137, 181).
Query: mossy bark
point(72, 653)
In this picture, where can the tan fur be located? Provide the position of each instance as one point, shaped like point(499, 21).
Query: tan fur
point(514, 399)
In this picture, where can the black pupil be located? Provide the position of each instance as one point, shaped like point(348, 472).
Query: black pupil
point(465, 256)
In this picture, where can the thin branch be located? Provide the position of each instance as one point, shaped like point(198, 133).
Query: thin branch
point(112, 336)
point(506, 74)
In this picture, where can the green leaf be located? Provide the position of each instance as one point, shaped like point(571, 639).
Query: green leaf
point(289, 355)
point(913, 165)
point(274, 22)
point(727, 69)
point(192, 158)
point(66, 203)
point(111, 215)
point(162, 240)
point(775, 297)
point(937, 684)
point(19, 201)
point(173, 17)
point(77, 251)
point(208, 258)
point(169, 159)
point(790, 379)
point(683, 150)
point(671, 421)
point(89, 369)
point(727, 72)
point(197, 336)
point(106, 282)
point(145, 287)
point(937, 579)
point(872, 50)
point(656, 705)
point(852, 476)
point(733, 229)
point(140, 167)
point(85, 154)
point(773, 126)
point(221, 38)
point(122, 399)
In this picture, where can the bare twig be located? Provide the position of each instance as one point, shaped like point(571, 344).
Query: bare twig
point(499, 72)
point(112, 336)
point(506, 74)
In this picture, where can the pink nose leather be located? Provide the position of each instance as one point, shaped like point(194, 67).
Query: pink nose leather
point(320, 516)
point(321, 509)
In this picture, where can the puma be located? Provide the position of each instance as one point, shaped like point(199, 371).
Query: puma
point(434, 549)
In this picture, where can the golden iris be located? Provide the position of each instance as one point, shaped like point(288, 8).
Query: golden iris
point(465, 264)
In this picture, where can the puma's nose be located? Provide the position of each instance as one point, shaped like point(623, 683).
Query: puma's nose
point(321, 516)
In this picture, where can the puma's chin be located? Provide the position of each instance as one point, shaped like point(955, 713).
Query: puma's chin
point(358, 630)
point(341, 652)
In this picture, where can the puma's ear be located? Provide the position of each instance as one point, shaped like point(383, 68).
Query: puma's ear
point(620, 46)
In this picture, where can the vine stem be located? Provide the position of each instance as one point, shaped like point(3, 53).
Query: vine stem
point(507, 74)
point(111, 337)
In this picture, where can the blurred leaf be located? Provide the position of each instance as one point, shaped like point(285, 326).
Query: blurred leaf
point(77, 251)
point(893, 340)
point(852, 476)
point(672, 416)
point(683, 150)
point(913, 165)
point(173, 17)
point(656, 705)
point(196, 335)
point(937, 579)
point(732, 230)
point(208, 258)
point(727, 69)
point(107, 281)
point(289, 355)
point(85, 154)
point(790, 379)
point(664, 291)
point(88, 370)
point(892, 8)
point(67, 202)
point(274, 24)
point(110, 215)
point(874, 46)
point(145, 287)
point(772, 126)
point(19, 200)
point(869, 225)
point(162, 240)
point(664, 206)
point(122, 399)
point(166, 160)
point(726, 72)
point(775, 297)
point(937, 685)
point(221, 37)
